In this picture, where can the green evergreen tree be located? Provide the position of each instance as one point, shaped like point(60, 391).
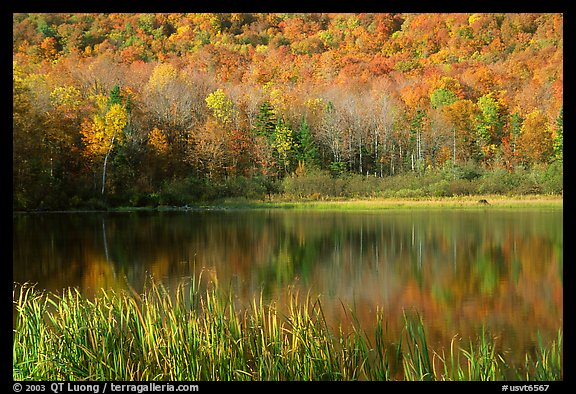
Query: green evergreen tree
point(559, 138)
point(515, 129)
point(266, 121)
point(307, 151)
point(115, 96)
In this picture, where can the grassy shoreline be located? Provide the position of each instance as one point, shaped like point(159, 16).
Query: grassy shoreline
point(371, 204)
point(199, 333)
point(471, 202)
point(495, 201)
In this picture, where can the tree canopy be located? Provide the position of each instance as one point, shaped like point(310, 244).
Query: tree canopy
point(153, 98)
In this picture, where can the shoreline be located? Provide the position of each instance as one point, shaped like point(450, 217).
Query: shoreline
point(465, 202)
point(350, 204)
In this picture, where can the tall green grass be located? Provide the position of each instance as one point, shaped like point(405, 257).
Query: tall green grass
point(199, 332)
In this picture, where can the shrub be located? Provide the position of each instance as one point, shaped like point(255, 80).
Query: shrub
point(462, 187)
point(468, 171)
point(317, 182)
point(410, 193)
point(528, 185)
point(550, 178)
point(96, 204)
point(363, 186)
point(184, 191)
point(498, 181)
point(340, 187)
point(240, 186)
point(439, 189)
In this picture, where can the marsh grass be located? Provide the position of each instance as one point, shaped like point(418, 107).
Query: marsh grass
point(470, 202)
point(199, 332)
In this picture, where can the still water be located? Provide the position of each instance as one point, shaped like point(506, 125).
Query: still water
point(460, 269)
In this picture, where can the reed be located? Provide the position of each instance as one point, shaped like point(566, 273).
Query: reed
point(199, 332)
point(479, 361)
point(546, 364)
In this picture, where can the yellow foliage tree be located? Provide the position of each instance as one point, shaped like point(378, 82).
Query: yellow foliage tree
point(102, 133)
point(67, 99)
point(221, 106)
point(536, 140)
point(158, 141)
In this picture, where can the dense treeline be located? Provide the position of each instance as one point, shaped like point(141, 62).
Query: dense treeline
point(145, 109)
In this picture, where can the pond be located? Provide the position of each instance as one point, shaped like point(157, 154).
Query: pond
point(460, 269)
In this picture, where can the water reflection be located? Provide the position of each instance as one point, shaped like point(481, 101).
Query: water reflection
point(461, 269)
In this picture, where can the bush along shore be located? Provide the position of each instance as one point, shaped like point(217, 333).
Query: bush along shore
point(197, 333)
point(449, 183)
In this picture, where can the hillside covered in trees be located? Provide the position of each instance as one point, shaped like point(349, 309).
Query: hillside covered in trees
point(148, 109)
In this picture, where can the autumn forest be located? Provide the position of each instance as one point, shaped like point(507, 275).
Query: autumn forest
point(172, 109)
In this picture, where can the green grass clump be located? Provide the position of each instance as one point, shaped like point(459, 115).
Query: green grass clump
point(198, 332)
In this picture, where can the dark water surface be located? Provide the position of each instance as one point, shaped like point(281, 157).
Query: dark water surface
point(461, 269)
